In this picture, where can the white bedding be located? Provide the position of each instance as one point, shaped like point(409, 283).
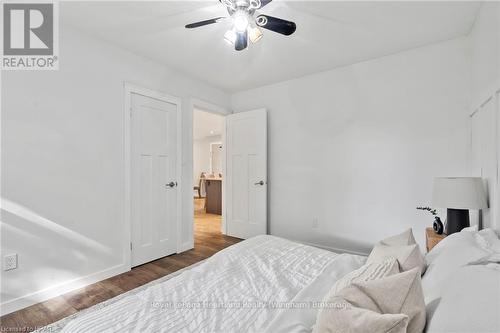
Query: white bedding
point(301, 320)
point(462, 290)
point(248, 280)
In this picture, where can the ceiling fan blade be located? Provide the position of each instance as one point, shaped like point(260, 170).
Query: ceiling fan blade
point(264, 3)
point(275, 24)
point(202, 23)
point(241, 41)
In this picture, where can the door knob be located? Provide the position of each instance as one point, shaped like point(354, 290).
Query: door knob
point(261, 183)
point(171, 184)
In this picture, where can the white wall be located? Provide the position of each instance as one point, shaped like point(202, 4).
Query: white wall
point(485, 52)
point(201, 155)
point(357, 147)
point(63, 165)
point(485, 104)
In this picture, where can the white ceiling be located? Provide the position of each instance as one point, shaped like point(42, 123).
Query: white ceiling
point(329, 34)
point(206, 124)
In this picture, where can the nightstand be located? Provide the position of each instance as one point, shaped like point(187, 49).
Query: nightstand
point(431, 238)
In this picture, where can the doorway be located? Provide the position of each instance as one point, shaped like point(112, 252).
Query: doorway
point(208, 171)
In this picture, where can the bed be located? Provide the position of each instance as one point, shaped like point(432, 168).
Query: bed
point(269, 284)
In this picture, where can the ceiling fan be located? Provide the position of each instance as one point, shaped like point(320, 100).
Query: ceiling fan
point(242, 13)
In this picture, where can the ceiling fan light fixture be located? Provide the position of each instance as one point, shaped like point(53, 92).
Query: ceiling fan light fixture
point(247, 22)
point(230, 37)
point(255, 34)
point(240, 21)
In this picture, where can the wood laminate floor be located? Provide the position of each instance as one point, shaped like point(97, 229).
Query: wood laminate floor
point(207, 241)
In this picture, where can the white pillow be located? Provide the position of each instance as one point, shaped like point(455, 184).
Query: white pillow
point(460, 249)
point(472, 228)
point(468, 301)
point(488, 240)
point(404, 238)
point(454, 251)
point(462, 294)
point(408, 256)
point(363, 306)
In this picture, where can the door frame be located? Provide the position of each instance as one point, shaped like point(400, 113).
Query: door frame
point(223, 112)
point(130, 89)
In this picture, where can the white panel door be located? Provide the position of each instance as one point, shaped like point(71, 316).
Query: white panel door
point(246, 180)
point(154, 179)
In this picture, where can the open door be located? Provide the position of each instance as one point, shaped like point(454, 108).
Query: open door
point(246, 183)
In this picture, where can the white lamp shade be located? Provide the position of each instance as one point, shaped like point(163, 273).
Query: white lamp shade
point(459, 193)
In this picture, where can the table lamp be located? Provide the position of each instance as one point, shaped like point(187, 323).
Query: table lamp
point(458, 195)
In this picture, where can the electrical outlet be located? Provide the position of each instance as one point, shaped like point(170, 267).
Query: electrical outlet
point(315, 223)
point(10, 262)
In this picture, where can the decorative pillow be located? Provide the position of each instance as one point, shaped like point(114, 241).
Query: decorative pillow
point(408, 256)
point(404, 238)
point(367, 272)
point(350, 319)
point(391, 304)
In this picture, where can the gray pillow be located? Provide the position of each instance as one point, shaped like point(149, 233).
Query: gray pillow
point(367, 272)
point(404, 238)
point(351, 319)
point(391, 304)
point(408, 256)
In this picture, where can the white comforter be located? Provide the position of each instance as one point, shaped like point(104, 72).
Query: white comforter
point(240, 289)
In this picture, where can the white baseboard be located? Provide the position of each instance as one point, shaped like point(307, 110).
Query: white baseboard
point(59, 289)
point(335, 249)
